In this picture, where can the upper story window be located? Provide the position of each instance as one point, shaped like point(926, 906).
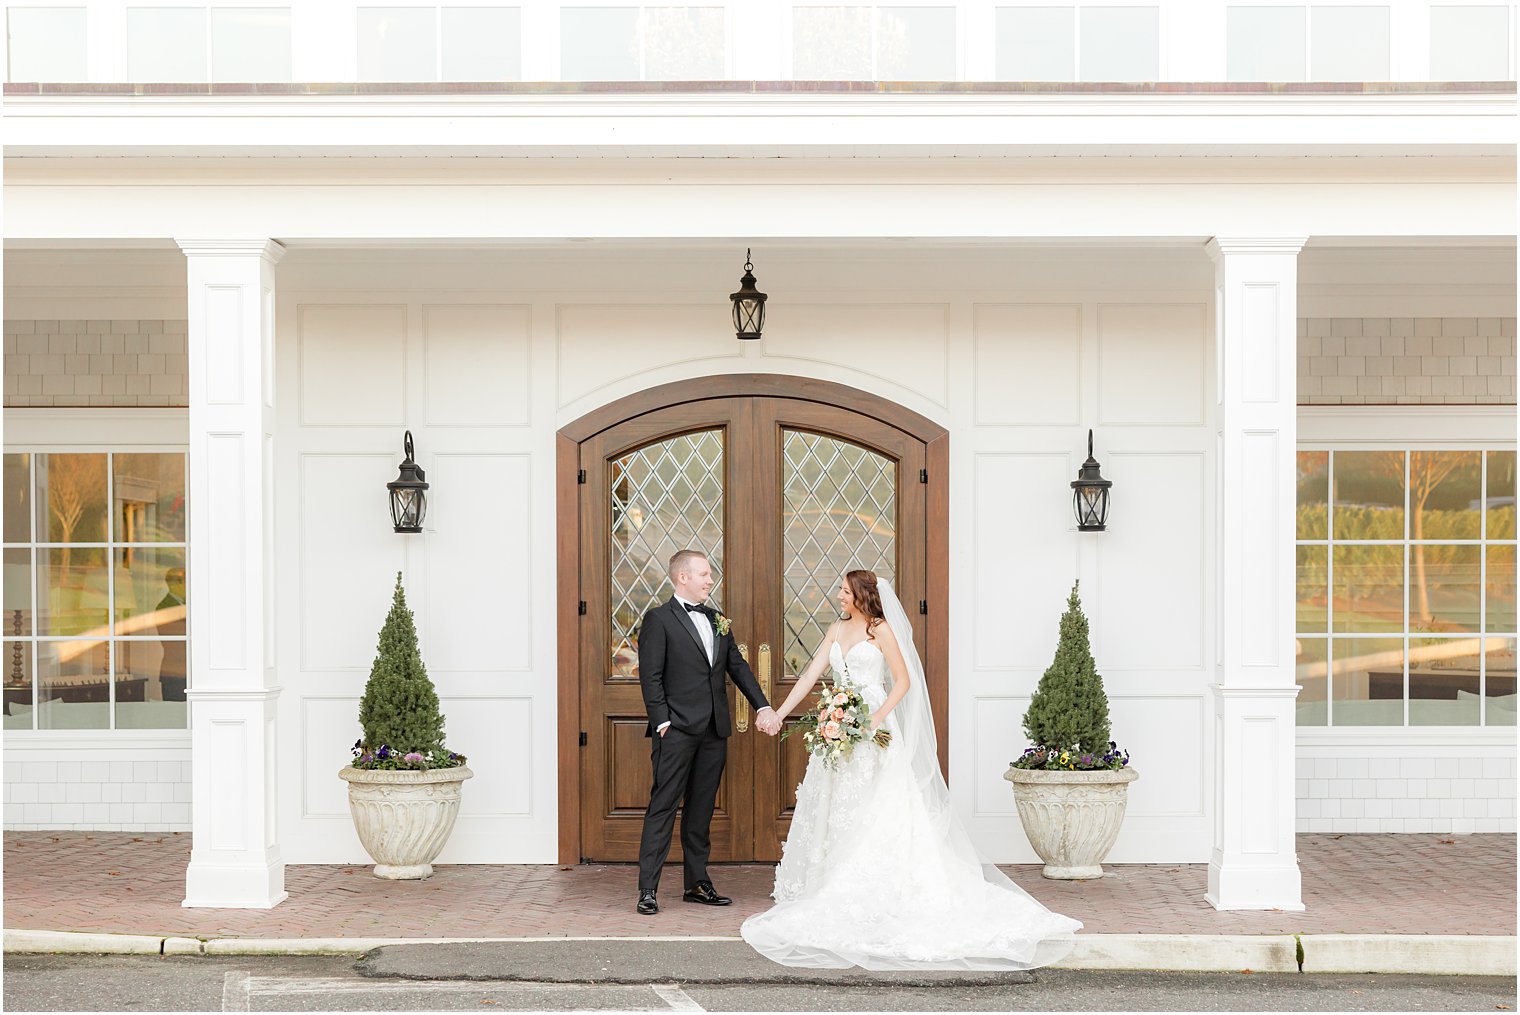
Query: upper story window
point(1079, 43)
point(1470, 43)
point(440, 44)
point(873, 43)
point(1406, 588)
point(216, 44)
point(642, 44)
point(95, 632)
point(46, 43)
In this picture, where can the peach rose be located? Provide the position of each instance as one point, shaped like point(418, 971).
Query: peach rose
point(831, 730)
point(840, 698)
point(838, 713)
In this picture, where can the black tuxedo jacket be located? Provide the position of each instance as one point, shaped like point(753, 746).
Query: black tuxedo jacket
point(680, 685)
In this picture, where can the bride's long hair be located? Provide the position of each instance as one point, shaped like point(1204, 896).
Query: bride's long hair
point(867, 598)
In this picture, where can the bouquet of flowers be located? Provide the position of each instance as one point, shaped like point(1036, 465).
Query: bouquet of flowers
point(840, 721)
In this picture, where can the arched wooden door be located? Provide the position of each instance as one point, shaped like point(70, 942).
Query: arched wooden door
point(784, 494)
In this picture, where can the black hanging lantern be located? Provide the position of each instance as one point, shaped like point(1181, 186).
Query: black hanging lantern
point(408, 493)
point(1090, 494)
point(749, 304)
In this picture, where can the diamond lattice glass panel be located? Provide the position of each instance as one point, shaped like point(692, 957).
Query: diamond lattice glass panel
point(665, 497)
point(839, 512)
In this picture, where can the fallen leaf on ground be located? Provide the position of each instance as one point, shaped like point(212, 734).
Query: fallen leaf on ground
point(1446, 842)
point(1248, 970)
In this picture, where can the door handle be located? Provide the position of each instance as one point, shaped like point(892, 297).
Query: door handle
point(765, 671)
point(741, 703)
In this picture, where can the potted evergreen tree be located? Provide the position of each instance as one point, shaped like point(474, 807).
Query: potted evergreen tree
point(403, 784)
point(1072, 785)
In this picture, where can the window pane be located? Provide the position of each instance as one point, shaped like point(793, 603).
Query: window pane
point(18, 685)
point(683, 44)
point(1445, 492)
point(1501, 682)
point(1264, 44)
point(150, 685)
point(1369, 588)
point(1501, 588)
point(74, 692)
point(150, 591)
point(1469, 43)
point(398, 44)
point(166, 44)
point(46, 43)
point(1313, 587)
point(599, 44)
point(1443, 681)
point(482, 44)
point(1036, 44)
point(1309, 669)
point(250, 44)
point(1368, 682)
point(1120, 44)
point(71, 498)
point(73, 591)
point(831, 43)
point(18, 498)
point(1313, 494)
point(1368, 501)
point(915, 44)
point(1348, 43)
point(1443, 587)
point(150, 498)
point(18, 593)
point(1499, 518)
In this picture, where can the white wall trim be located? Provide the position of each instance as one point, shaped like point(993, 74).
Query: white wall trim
point(43, 428)
point(1419, 425)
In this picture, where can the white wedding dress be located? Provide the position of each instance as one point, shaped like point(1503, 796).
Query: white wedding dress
point(878, 871)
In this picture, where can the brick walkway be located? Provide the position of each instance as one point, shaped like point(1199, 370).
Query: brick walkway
point(126, 883)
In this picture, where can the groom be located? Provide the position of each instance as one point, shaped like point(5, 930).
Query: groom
point(684, 651)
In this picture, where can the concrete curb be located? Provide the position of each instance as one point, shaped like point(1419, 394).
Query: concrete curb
point(1467, 955)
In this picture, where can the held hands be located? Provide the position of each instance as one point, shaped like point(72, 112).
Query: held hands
point(768, 722)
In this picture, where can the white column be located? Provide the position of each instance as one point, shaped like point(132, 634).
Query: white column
point(235, 853)
point(1254, 863)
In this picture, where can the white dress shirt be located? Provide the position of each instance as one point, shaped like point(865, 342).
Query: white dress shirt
point(705, 629)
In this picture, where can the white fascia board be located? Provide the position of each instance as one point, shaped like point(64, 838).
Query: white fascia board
point(763, 125)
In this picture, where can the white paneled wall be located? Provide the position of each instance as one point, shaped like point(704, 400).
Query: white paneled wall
point(1406, 360)
point(95, 363)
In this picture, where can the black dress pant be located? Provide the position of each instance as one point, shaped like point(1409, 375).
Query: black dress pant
point(687, 770)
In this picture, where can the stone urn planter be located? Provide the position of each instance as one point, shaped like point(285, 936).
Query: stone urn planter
point(404, 817)
point(1071, 818)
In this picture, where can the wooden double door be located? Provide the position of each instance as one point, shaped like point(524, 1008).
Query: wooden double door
point(784, 495)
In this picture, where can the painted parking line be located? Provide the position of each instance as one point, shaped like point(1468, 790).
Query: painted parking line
point(241, 991)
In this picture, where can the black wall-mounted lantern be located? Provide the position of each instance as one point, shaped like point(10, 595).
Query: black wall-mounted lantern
point(1090, 494)
point(408, 492)
point(749, 304)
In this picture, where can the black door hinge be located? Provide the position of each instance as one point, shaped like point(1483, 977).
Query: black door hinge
point(923, 475)
point(583, 738)
point(580, 477)
point(582, 609)
point(923, 606)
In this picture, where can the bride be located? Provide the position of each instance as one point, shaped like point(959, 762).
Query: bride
point(877, 871)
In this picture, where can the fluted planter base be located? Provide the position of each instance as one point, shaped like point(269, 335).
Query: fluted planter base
point(1071, 818)
point(404, 817)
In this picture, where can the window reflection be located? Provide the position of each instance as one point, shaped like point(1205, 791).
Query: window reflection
point(1444, 681)
point(1368, 682)
point(1369, 587)
point(1311, 670)
point(1313, 494)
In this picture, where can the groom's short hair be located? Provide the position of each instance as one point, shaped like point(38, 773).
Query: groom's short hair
point(682, 561)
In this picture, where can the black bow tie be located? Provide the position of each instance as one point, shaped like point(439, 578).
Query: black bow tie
point(694, 608)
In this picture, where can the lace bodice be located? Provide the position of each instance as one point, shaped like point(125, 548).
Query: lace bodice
point(864, 666)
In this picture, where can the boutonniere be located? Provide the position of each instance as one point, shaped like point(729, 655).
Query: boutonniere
point(722, 624)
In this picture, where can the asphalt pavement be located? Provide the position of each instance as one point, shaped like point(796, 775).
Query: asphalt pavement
point(150, 983)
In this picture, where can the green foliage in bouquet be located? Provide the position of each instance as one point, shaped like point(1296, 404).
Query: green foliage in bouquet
point(1067, 718)
point(399, 713)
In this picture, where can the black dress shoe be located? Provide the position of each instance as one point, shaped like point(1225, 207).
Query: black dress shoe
point(703, 892)
point(647, 905)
